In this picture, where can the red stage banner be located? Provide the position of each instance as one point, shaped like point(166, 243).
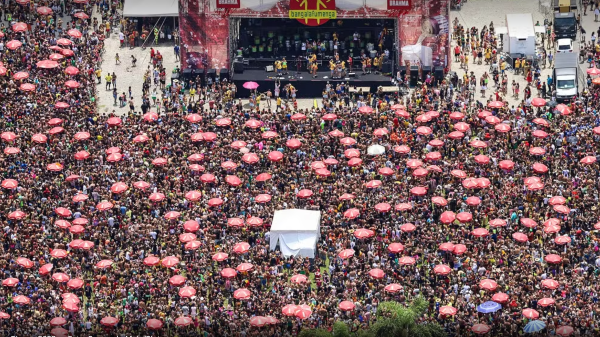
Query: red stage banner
point(312, 12)
point(228, 4)
point(398, 4)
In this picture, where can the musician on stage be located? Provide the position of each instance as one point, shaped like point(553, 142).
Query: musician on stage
point(350, 63)
point(284, 66)
point(298, 64)
point(313, 69)
point(332, 67)
point(277, 66)
point(364, 65)
point(312, 59)
point(368, 65)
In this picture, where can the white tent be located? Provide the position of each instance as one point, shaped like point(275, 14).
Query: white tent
point(150, 8)
point(297, 231)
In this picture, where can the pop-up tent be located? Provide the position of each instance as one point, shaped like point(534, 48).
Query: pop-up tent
point(297, 232)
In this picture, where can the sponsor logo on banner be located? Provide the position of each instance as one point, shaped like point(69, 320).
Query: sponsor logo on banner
point(312, 12)
point(228, 3)
point(398, 4)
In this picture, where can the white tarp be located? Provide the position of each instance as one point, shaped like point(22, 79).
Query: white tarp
point(297, 232)
point(150, 8)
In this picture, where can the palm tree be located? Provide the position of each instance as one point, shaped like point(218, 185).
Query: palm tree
point(397, 320)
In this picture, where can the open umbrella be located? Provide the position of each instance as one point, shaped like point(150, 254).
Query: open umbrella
point(534, 326)
point(489, 307)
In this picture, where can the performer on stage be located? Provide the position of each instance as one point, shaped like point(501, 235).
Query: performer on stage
point(284, 66)
point(350, 63)
point(368, 65)
point(312, 59)
point(277, 66)
point(298, 64)
point(313, 69)
point(332, 67)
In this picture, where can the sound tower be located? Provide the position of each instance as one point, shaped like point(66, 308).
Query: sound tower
point(414, 76)
point(224, 74)
point(426, 70)
point(438, 73)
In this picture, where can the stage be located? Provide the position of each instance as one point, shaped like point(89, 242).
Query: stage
point(307, 86)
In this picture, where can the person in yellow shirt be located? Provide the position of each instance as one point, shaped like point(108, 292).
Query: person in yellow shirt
point(284, 66)
point(99, 75)
point(277, 67)
point(517, 66)
point(331, 67)
point(192, 94)
point(376, 63)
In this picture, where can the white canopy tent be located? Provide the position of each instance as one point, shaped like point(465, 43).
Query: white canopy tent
point(297, 232)
point(150, 8)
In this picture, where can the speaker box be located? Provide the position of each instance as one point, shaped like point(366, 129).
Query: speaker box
point(402, 70)
point(224, 74)
point(414, 76)
point(426, 71)
point(269, 68)
point(386, 67)
point(438, 73)
point(351, 74)
point(187, 74)
point(238, 67)
point(211, 73)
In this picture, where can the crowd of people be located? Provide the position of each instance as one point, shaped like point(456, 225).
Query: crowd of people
point(158, 221)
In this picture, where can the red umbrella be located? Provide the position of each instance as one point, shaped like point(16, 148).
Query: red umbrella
point(170, 261)
point(193, 195)
point(262, 198)
point(81, 135)
point(459, 249)
point(228, 273)
point(439, 201)
point(562, 209)
point(447, 217)
point(258, 321)
point(493, 120)
point(419, 191)
point(482, 159)
point(442, 269)
point(448, 311)
point(253, 123)
point(273, 156)
point(299, 279)
point(19, 26)
point(17, 215)
point(557, 200)
point(539, 168)
point(235, 222)
point(500, 298)
point(377, 273)
point(402, 149)
point(64, 42)
point(298, 117)
point(436, 143)
point(540, 134)
point(152, 261)
point(56, 130)
point(187, 292)
point(104, 264)
point(59, 253)
point(10, 282)
point(209, 136)
point(446, 247)
point(109, 321)
point(154, 324)
point(12, 150)
point(303, 312)
point(480, 232)
point(228, 165)
point(347, 196)
point(305, 193)
point(46, 269)
point(462, 126)
point(407, 227)
point(537, 151)
point(395, 248)
point(140, 139)
point(365, 109)
point(385, 171)
point(497, 223)
point(424, 118)
point(27, 87)
point(9, 184)
point(484, 114)
point(553, 258)
point(289, 310)
point(56, 57)
point(478, 144)
point(346, 253)
point(393, 288)
point(550, 284)
point(39, 138)
point(47, 64)
point(9, 136)
point(193, 245)
point(177, 280)
point(269, 135)
point(352, 153)
point(323, 172)
point(503, 128)
point(250, 158)
point(348, 141)
point(336, 133)
point(60, 332)
point(406, 261)
point(464, 217)
point(241, 247)
point(156, 197)
point(383, 207)
point(43, 10)
point(242, 294)
point(223, 122)
point(24, 262)
point(473, 201)
point(487, 284)
point(187, 237)
point(21, 75)
point(74, 33)
point(541, 121)
point(433, 156)
point(458, 174)
point(21, 300)
point(329, 117)
point(480, 329)
point(373, 183)
point(13, 44)
point(244, 267)
point(60, 277)
point(233, 180)
point(58, 321)
point(363, 233)
point(208, 178)
point(564, 331)
point(63, 212)
point(254, 221)
point(495, 104)
point(483, 182)
point(538, 102)
point(424, 130)
point(546, 302)
point(588, 160)
point(67, 52)
point(456, 135)
point(183, 321)
point(527, 222)
point(346, 306)
point(380, 132)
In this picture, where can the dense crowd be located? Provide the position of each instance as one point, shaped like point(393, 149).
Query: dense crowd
point(158, 221)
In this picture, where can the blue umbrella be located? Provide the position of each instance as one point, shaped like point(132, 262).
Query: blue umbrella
point(534, 326)
point(489, 307)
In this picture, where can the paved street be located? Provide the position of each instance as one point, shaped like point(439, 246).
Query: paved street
point(475, 13)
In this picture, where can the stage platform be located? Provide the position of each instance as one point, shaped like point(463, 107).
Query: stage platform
point(307, 86)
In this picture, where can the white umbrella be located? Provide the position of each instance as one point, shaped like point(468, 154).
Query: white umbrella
point(376, 150)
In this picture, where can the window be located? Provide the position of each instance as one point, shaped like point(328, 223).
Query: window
point(565, 84)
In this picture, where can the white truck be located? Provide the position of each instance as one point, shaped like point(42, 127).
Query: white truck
point(565, 76)
point(520, 37)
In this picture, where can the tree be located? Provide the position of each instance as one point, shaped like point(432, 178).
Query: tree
point(340, 329)
point(315, 333)
point(396, 320)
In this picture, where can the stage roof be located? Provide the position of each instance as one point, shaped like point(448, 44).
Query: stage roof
point(151, 8)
